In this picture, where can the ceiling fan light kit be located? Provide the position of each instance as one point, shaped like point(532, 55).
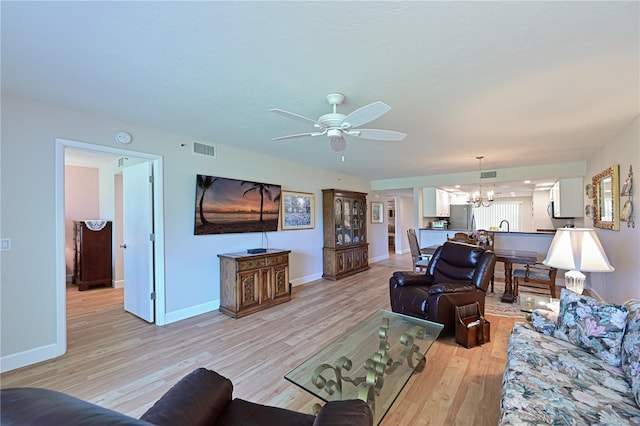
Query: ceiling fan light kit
point(335, 125)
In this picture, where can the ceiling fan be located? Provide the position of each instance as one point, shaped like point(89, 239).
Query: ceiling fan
point(336, 125)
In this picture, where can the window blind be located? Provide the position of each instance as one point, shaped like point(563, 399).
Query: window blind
point(486, 217)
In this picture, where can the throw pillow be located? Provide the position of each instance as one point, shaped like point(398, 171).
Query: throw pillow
point(630, 354)
point(596, 327)
point(544, 321)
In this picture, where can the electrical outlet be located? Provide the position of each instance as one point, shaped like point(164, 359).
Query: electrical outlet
point(6, 244)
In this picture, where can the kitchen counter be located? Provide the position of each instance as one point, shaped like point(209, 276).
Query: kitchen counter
point(527, 241)
point(468, 231)
point(538, 242)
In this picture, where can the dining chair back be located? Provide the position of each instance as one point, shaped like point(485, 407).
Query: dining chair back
point(461, 237)
point(420, 260)
point(538, 277)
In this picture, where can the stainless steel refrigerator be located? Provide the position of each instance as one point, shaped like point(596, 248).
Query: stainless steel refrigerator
point(461, 217)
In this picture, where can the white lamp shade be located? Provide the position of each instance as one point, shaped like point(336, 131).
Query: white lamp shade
point(577, 249)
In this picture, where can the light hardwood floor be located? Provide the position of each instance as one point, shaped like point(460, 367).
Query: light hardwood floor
point(118, 361)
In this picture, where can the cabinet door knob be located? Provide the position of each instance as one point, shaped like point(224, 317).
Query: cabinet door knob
point(124, 246)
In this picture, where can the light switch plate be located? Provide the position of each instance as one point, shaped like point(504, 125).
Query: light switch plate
point(6, 244)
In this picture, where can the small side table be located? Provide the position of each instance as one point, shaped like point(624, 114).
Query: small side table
point(531, 301)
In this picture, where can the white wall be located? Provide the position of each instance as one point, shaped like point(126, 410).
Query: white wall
point(406, 220)
point(623, 246)
point(81, 191)
point(378, 232)
point(28, 314)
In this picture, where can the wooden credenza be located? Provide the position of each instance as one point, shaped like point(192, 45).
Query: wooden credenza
point(252, 282)
point(92, 258)
point(346, 250)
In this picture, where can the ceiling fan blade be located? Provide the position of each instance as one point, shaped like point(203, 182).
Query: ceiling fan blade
point(378, 134)
point(338, 144)
point(299, 135)
point(298, 117)
point(365, 114)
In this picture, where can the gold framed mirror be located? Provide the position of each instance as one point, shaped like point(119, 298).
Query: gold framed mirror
point(606, 202)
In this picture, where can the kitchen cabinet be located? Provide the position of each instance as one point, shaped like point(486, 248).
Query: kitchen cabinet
point(345, 251)
point(567, 198)
point(436, 202)
point(252, 282)
point(92, 258)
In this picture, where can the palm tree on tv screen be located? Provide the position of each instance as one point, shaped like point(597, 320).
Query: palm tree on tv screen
point(262, 189)
point(205, 183)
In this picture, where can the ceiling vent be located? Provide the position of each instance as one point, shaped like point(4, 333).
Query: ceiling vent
point(488, 175)
point(200, 148)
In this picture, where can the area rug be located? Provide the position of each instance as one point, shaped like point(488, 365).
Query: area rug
point(493, 305)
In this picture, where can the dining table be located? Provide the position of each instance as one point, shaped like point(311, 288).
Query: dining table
point(509, 257)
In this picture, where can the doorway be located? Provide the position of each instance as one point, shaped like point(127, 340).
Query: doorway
point(391, 215)
point(156, 199)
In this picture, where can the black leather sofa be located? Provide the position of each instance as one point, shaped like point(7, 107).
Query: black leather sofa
point(203, 397)
point(458, 274)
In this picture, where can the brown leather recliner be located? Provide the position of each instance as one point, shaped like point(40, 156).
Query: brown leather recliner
point(203, 397)
point(458, 274)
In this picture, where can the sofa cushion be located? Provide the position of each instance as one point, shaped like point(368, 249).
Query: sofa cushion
point(551, 381)
point(630, 354)
point(595, 327)
point(544, 321)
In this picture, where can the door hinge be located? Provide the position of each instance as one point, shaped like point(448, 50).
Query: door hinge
point(152, 237)
point(153, 295)
point(151, 179)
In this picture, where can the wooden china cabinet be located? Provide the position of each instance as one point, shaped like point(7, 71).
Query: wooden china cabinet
point(92, 258)
point(346, 250)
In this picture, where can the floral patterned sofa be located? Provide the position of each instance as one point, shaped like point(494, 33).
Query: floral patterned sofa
point(580, 366)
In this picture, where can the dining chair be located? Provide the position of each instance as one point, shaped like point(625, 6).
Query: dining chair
point(461, 237)
point(420, 260)
point(535, 276)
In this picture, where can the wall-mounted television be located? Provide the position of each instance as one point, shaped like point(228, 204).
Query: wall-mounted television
point(228, 206)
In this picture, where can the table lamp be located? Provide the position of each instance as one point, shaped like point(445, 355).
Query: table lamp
point(577, 249)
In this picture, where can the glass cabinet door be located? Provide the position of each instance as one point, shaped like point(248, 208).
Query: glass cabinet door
point(338, 221)
point(348, 217)
point(362, 215)
point(356, 221)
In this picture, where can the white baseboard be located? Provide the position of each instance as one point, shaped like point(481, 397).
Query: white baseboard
point(118, 284)
point(191, 312)
point(306, 279)
point(379, 258)
point(32, 356)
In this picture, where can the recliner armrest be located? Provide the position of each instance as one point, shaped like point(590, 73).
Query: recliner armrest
point(353, 412)
point(404, 278)
point(197, 399)
point(451, 288)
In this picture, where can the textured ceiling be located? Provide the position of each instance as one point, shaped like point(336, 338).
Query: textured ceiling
point(522, 83)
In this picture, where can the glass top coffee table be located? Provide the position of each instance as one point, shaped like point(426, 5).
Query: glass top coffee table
point(531, 301)
point(372, 361)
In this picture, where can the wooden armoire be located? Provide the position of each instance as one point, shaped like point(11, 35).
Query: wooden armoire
point(346, 250)
point(92, 258)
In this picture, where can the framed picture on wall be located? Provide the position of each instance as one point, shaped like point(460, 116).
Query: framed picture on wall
point(297, 210)
point(377, 212)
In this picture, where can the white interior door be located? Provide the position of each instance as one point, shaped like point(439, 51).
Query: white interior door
point(137, 230)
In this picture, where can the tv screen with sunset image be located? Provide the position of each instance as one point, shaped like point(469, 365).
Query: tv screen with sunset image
point(227, 206)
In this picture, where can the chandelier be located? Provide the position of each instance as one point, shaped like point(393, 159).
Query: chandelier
point(476, 198)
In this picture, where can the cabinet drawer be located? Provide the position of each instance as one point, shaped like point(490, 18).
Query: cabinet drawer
point(244, 265)
point(276, 260)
